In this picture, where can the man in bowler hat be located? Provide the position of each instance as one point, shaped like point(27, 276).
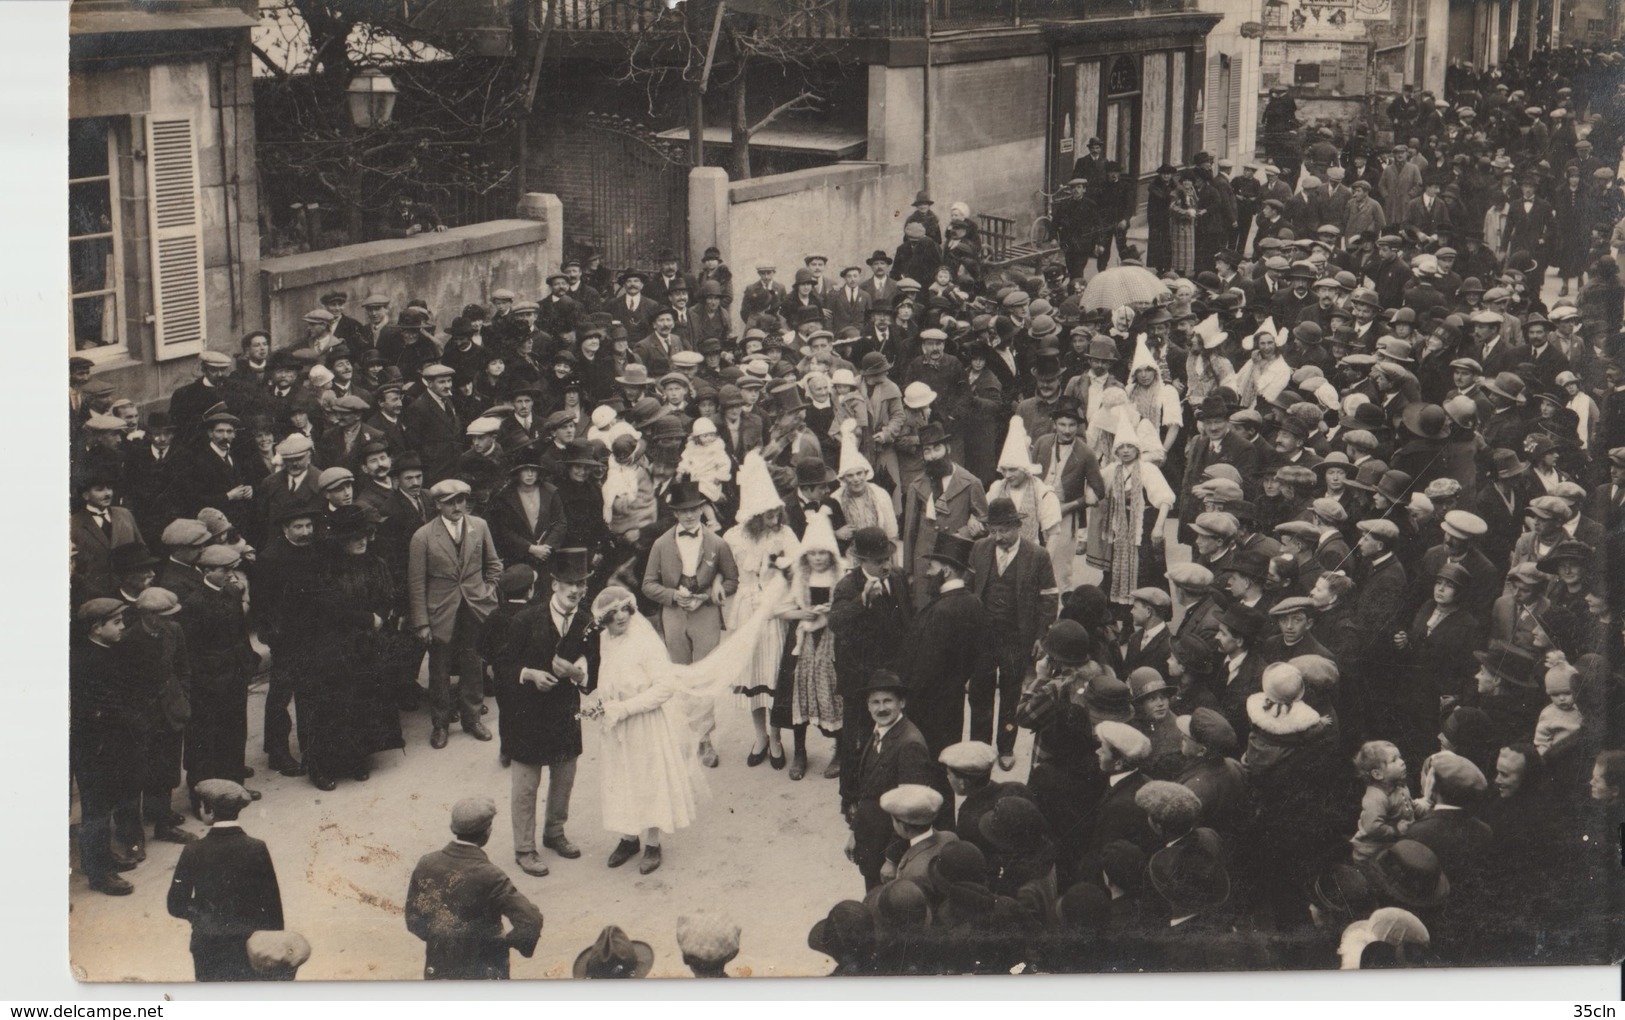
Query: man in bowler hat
point(690, 573)
point(893, 753)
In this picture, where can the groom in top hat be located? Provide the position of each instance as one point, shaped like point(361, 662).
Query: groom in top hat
point(691, 572)
point(548, 660)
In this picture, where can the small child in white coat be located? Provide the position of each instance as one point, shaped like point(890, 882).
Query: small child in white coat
point(1386, 808)
point(1561, 718)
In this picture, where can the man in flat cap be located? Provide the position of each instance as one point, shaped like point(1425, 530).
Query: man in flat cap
point(433, 426)
point(452, 572)
point(917, 841)
point(188, 403)
point(277, 955)
point(708, 943)
point(223, 663)
point(158, 659)
point(214, 476)
point(458, 899)
point(340, 445)
point(226, 886)
point(105, 742)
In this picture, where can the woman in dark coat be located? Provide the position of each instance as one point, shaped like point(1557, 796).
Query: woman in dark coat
point(1436, 654)
point(350, 709)
point(1159, 196)
point(1573, 204)
point(984, 413)
point(596, 367)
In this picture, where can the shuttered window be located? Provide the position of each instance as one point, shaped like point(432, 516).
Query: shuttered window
point(95, 242)
point(177, 238)
point(1213, 100)
point(1232, 118)
point(1154, 115)
point(1178, 130)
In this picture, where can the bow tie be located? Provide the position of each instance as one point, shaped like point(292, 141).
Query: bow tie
point(688, 534)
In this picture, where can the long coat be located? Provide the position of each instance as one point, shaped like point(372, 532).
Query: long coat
point(540, 727)
point(954, 506)
point(456, 903)
point(512, 531)
point(93, 547)
point(442, 575)
point(225, 885)
point(867, 637)
point(950, 644)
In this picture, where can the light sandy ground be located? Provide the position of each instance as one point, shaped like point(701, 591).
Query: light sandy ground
point(766, 851)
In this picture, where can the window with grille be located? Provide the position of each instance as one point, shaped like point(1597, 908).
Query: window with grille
point(94, 241)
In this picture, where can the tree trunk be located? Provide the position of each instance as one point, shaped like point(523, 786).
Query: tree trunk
point(740, 168)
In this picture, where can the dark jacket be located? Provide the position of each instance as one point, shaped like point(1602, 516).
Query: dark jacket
point(511, 530)
point(540, 727)
point(1036, 597)
point(456, 903)
point(225, 884)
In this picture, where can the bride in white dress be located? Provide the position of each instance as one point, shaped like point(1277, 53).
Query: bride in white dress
point(650, 780)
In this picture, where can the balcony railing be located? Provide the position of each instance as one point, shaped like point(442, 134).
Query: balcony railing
point(861, 19)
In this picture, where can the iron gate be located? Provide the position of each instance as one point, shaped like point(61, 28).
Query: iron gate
point(638, 200)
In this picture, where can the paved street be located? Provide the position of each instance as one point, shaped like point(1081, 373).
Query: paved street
point(766, 851)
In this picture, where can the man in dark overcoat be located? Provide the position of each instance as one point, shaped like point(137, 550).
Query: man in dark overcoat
point(458, 899)
point(1014, 579)
point(892, 752)
point(549, 659)
point(868, 619)
point(225, 884)
point(950, 647)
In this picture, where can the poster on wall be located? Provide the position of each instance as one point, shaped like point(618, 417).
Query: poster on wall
point(1315, 18)
point(1373, 10)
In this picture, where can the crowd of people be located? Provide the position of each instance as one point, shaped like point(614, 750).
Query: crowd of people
point(1343, 688)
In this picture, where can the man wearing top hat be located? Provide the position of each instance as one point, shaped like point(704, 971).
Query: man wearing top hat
point(951, 645)
point(691, 573)
point(452, 570)
point(1015, 580)
point(225, 884)
point(892, 753)
point(548, 661)
point(457, 902)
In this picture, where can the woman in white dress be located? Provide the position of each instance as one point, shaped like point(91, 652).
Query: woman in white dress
point(1132, 522)
point(763, 547)
point(1265, 374)
point(649, 778)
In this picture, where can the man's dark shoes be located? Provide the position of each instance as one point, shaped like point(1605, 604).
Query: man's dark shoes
point(323, 783)
point(624, 851)
point(289, 767)
point(562, 846)
point(171, 834)
point(438, 737)
point(112, 885)
point(477, 730)
point(253, 794)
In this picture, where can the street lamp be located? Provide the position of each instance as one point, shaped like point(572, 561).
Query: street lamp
point(372, 99)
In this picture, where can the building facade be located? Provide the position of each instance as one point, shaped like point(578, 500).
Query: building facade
point(163, 235)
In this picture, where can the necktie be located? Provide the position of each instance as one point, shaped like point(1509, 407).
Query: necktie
point(106, 524)
point(293, 484)
point(877, 741)
point(227, 458)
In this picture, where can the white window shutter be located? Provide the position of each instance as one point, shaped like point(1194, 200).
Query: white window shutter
point(1232, 118)
point(1212, 124)
point(177, 238)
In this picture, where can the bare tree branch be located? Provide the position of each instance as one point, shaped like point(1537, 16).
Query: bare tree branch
point(804, 101)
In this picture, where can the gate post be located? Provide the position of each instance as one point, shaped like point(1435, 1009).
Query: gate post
point(708, 213)
point(547, 210)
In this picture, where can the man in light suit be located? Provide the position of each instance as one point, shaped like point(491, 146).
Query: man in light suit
point(691, 572)
point(1014, 579)
point(947, 499)
point(225, 885)
point(96, 529)
point(452, 571)
point(1071, 470)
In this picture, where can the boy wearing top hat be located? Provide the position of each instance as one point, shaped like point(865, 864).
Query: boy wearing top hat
point(690, 573)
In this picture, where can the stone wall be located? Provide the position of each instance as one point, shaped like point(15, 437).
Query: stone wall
point(451, 269)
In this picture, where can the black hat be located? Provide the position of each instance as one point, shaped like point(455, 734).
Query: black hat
point(879, 256)
point(685, 494)
point(951, 549)
point(884, 680)
point(1002, 512)
point(571, 566)
point(1245, 622)
point(871, 544)
point(408, 461)
point(1067, 407)
point(347, 522)
point(811, 471)
point(129, 557)
point(932, 434)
